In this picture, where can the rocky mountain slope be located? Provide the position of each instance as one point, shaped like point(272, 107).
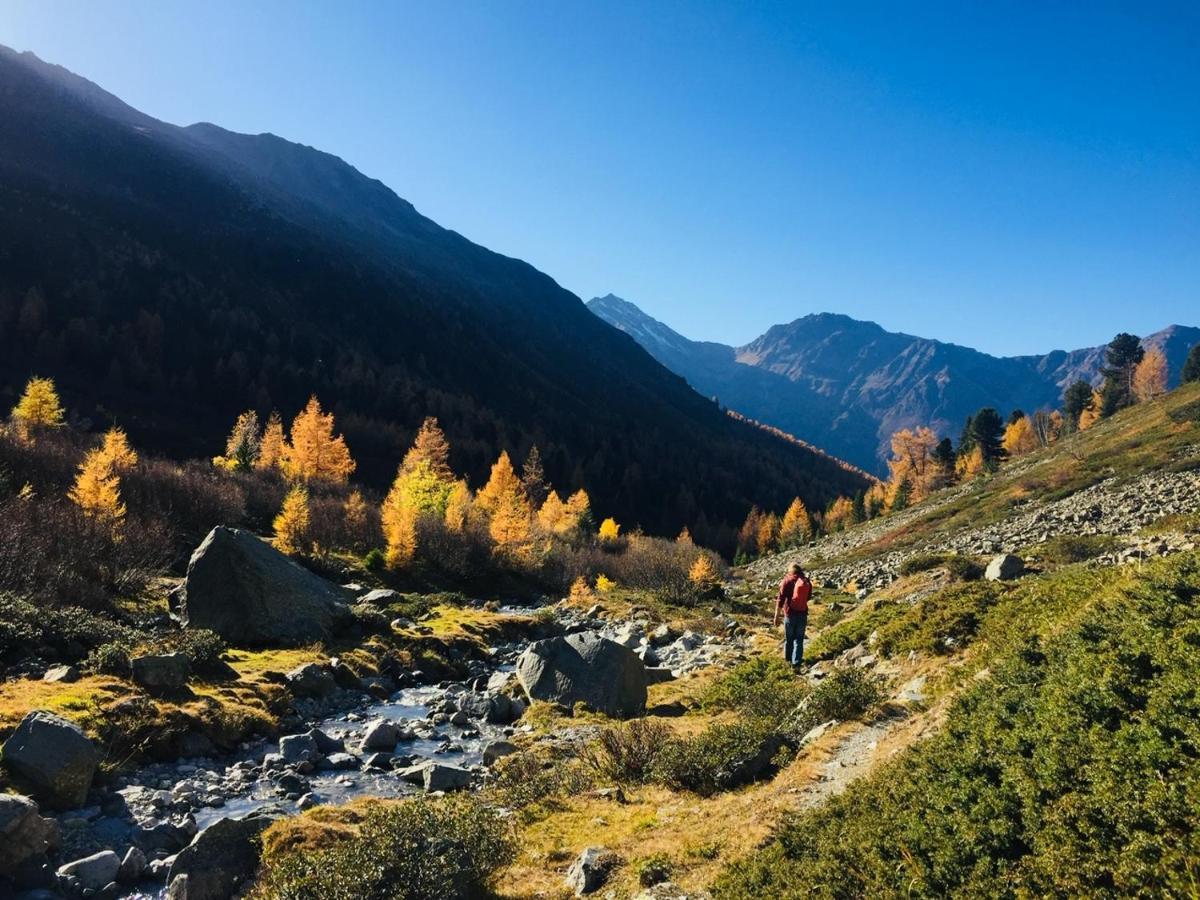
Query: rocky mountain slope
point(847, 385)
point(169, 277)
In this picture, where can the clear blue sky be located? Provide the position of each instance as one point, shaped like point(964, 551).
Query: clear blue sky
point(1016, 177)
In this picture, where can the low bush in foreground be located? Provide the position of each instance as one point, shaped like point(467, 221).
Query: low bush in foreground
point(1072, 771)
point(627, 753)
point(844, 694)
point(723, 756)
point(764, 687)
point(450, 847)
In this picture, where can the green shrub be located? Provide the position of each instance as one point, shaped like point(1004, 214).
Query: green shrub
point(109, 659)
point(202, 647)
point(452, 847)
point(62, 634)
point(654, 870)
point(1075, 548)
point(374, 561)
point(922, 562)
point(764, 687)
point(940, 623)
point(963, 568)
point(722, 757)
point(854, 630)
point(626, 753)
point(528, 778)
point(1071, 772)
point(846, 693)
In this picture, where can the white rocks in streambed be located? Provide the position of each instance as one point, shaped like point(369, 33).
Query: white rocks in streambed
point(298, 748)
point(381, 735)
point(93, 872)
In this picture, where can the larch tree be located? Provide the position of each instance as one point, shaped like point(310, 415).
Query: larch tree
point(840, 514)
point(270, 449)
point(355, 521)
point(912, 459)
point(38, 407)
point(430, 446)
point(704, 575)
point(876, 499)
point(97, 490)
point(460, 505)
point(1092, 412)
point(796, 528)
point(579, 512)
point(117, 451)
point(747, 539)
point(1019, 437)
point(503, 499)
point(244, 444)
point(610, 531)
point(315, 452)
point(292, 523)
point(971, 464)
point(684, 538)
point(767, 539)
point(1150, 376)
point(533, 478)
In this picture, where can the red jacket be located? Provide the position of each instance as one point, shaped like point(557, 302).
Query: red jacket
point(794, 594)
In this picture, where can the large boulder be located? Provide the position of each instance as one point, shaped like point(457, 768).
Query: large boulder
point(92, 872)
point(1004, 567)
point(251, 594)
point(161, 671)
point(24, 833)
point(585, 668)
point(54, 757)
point(221, 857)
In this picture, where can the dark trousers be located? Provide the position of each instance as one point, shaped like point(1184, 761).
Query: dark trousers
point(793, 637)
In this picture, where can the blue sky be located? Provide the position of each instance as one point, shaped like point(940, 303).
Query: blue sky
point(1015, 177)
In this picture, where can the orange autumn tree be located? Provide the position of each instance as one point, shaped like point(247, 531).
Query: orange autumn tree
point(1150, 376)
point(796, 527)
point(422, 487)
point(912, 461)
point(767, 539)
point(314, 452)
point(1091, 413)
point(840, 515)
point(117, 451)
point(1020, 437)
point(38, 407)
point(97, 490)
point(271, 447)
point(503, 500)
point(291, 525)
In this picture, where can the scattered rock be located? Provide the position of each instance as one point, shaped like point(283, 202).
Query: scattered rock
point(298, 748)
point(161, 672)
point(585, 668)
point(93, 872)
point(311, 680)
point(63, 674)
point(24, 833)
point(132, 866)
point(381, 597)
point(251, 594)
point(590, 870)
point(54, 756)
point(439, 777)
point(1004, 567)
point(381, 735)
point(221, 857)
point(495, 750)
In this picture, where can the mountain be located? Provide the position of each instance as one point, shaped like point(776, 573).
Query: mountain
point(168, 277)
point(846, 385)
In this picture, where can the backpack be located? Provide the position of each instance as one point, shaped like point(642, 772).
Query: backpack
point(801, 594)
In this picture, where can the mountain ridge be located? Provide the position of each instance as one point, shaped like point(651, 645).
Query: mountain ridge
point(169, 277)
point(846, 385)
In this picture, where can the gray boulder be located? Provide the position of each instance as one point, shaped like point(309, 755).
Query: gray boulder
point(381, 597)
point(1004, 567)
point(440, 777)
point(590, 870)
point(299, 748)
point(24, 833)
point(381, 735)
point(64, 674)
point(311, 680)
point(252, 595)
point(93, 872)
point(585, 668)
point(161, 672)
point(132, 866)
point(496, 750)
point(54, 757)
point(221, 857)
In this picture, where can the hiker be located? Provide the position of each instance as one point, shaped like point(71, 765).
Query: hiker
point(794, 593)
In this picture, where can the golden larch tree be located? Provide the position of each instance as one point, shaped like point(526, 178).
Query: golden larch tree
point(1091, 414)
point(355, 521)
point(610, 531)
point(272, 445)
point(1150, 376)
point(579, 511)
point(971, 464)
point(1020, 438)
point(117, 451)
point(912, 459)
point(97, 489)
point(704, 575)
point(460, 507)
point(767, 539)
point(552, 517)
point(291, 525)
point(796, 527)
point(315, 452)
point(840, 514)
point(38, 407)
point(244, 443)
point(503, 499)
point(430, 446)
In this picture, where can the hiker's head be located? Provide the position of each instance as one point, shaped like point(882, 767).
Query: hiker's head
point(797, 569)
